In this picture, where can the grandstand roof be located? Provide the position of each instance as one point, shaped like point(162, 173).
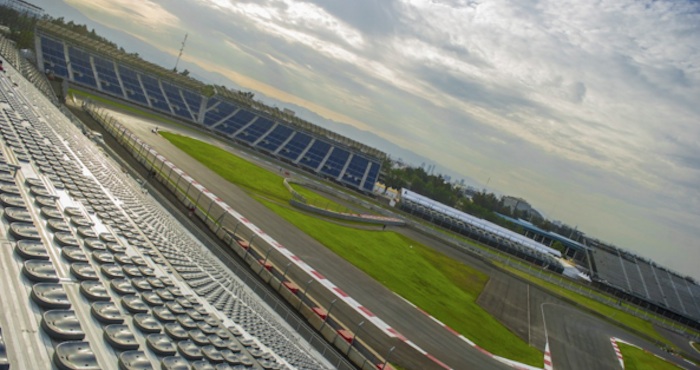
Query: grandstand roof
point(548, 234)
point(111, 51)
point(478, 222)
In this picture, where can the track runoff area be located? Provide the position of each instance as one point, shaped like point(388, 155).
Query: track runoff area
point(483, 359)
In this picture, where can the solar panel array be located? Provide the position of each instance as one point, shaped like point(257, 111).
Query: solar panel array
point(312, 152)
point(95, 274)
point(648, 281)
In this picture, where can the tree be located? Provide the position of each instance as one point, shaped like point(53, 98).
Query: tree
point(559, 246)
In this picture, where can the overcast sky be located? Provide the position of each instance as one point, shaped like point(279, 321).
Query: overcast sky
point(589, 110)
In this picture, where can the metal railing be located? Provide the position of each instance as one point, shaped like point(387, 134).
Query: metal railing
point(220, 222)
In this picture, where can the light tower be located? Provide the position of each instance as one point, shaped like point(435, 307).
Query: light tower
point(182, 48)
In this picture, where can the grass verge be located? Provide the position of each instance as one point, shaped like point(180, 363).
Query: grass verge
point(436, 283)
point(240, 172)
point(638, 359)
point(441, 286)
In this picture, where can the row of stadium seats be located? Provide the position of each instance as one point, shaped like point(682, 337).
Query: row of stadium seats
point(311, 152)
point(29, 70)
point(114, 280)
point(649, 282)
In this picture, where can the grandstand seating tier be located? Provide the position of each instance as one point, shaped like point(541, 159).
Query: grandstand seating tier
point(223, 115)
point(114, 260)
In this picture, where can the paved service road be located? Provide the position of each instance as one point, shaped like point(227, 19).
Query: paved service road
point(576, 340)
point(413, 324)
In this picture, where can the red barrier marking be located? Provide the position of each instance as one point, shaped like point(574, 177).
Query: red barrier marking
point(345, 334)
point(244, 244)
point(291, 286)
point(385, 367)
point(340, 292)
point(396, 334)
point(322, 313)
point(318, 275)
point(295, 258)
point(366, 311)
point(487, 353)
point(452, 330)
point(265, 264)
point(435, 360)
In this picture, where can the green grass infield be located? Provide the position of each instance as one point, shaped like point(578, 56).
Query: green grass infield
point(437, 284)
point(638, 359)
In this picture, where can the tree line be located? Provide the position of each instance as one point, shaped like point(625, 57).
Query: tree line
point(483, 204)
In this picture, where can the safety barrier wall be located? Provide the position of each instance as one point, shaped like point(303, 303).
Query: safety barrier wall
point(247, 240)
point(345, 216)
point(300, 202)
point(221, 219)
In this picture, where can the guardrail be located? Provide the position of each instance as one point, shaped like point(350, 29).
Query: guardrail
point(321, 327)
point(300, 202)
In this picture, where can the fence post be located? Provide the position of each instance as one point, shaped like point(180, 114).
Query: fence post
point(220, 222)
point(303, 296)
point(386, 358)
point(328, 314)
point(262, 266)
point(354, 335)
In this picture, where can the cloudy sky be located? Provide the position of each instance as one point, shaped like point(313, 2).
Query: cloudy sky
point(589, 110)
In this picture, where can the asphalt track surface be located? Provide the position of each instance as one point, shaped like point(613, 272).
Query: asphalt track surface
point(577, 340)
point(407, 320)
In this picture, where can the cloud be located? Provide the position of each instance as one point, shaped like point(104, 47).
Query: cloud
point(144, 13)
point(595, 103)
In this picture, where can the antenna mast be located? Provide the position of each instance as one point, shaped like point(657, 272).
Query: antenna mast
point(182, 48)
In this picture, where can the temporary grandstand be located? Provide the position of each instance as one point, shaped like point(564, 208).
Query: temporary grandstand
point(96, 275)
point(104, 69)
point(481, 230)
point(646, 284)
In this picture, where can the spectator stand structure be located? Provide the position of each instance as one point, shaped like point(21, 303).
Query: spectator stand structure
point(105, 70)
point(260, 252)
point(481, 230)
point(646, 284)
point(95, 274)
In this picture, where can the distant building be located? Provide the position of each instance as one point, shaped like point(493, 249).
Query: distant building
point(515, 204)
point(519, 206)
